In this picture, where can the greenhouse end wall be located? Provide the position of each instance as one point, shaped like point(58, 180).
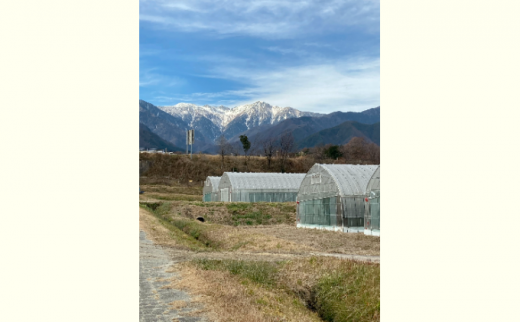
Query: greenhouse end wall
point(332, 197)
point(373, 206)
point(210, 192)
point(332, 213)
point(373, 220)
point(211, 197)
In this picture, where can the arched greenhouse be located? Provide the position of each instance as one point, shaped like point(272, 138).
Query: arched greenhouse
point(372, 205)
point(259, 187)
point(333, 197)
point(210, 190)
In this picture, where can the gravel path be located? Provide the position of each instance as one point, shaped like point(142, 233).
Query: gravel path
point(153, 299)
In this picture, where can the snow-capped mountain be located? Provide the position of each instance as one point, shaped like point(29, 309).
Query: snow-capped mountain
point(213, 121)
point(190, 113)
point(259, 121)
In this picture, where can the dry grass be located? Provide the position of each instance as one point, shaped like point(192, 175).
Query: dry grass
point(164, 234)
point(156, 232)
point(269, 238)
point(322, 240)
point(167, 168)
point(175, 189)
point(181, 168)
point(229, 238)
point(308, 289)
point(235, 299)
point(175, 305)
point(238, 239)
point(174, 192)
point(168, 197)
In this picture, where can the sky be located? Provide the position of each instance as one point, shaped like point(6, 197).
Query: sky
point(319, 56)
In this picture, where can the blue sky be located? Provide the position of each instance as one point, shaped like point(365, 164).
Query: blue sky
point(319, 56)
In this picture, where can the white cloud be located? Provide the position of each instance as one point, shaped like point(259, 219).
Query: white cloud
point(307, 78)
point(352, 85)
point(268, 19)
point(150, 78)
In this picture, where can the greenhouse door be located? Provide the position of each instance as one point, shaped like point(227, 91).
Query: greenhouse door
point(224, 195)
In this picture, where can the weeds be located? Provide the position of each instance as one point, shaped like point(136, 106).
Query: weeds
point(174, 197)
point(251, 218)
point(159, 210)
point(261, 272)
point(337, 290)
point(349, 296)
point(197, 230)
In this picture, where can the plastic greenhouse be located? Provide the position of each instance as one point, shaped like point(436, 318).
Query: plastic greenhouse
point(210, 190)
point(259, 187)
point(372, 205)
point(332, 197)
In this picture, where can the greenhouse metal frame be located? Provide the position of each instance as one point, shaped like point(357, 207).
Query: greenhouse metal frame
point(259, 187)
point(332, 197)
point(210, 192)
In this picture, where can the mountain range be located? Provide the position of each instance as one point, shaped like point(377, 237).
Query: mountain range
point(258, 120)
point(149, 140)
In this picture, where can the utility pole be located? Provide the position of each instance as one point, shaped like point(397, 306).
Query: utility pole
point(191, 140)
point(186, 140)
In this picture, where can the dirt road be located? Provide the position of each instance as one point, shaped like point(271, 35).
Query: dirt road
point(155, 301)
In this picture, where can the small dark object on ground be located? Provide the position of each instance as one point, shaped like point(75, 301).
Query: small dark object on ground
point(140, 192)
point(201, 219)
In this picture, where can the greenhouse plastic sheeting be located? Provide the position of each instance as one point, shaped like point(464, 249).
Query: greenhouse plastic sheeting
point(344, 185)
point(260, 187)
point(335, 180)
point(372, 206)
point(344, 211)
point(321, 212)
point(375, 215)
point(210, 192)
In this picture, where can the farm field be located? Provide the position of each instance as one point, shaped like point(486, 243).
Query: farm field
point(249, 262)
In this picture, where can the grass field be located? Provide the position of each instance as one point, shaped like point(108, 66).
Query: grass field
point(249, 262)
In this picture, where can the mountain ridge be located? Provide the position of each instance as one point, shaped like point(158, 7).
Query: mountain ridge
point(148, 140)
point(342, 134)
point(258, 121)
point(305, 126)
point(231, 121)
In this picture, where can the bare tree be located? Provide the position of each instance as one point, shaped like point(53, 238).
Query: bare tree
point(373, 153)
point(286, 147)
point(223, 149)
point(356, 149)
point(269, 148)
point(317, 152)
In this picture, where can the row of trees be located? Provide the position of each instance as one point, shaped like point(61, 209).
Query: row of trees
point(271, 148)
point(357, 150)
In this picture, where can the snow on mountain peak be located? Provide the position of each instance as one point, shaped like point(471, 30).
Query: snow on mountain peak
point(253, 114)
